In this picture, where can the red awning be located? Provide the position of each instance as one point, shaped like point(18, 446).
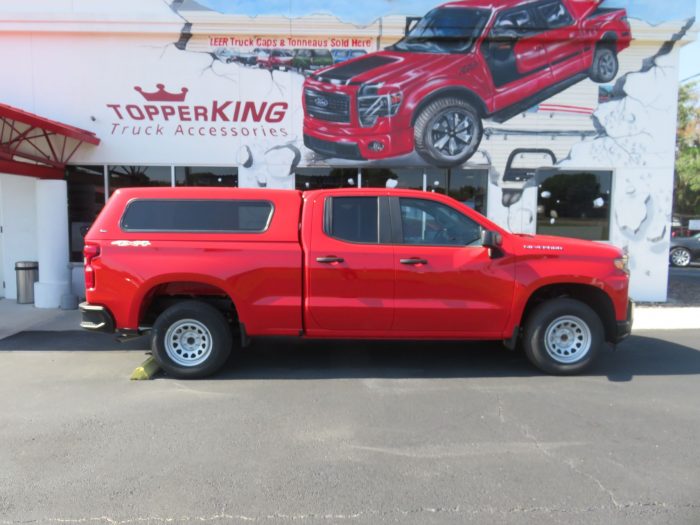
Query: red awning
point(37, 146)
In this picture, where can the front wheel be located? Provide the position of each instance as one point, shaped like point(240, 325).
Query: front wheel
point(680, 257)
point(447, 132)
point(605, 65)
point(563, 336)
point(191, 339)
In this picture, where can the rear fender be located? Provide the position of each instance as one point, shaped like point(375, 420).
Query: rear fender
point(180, 285)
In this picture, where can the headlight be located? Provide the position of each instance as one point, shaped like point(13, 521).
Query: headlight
point(622, 264)
point(371, 104)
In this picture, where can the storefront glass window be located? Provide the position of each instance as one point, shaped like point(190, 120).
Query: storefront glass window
point(221, 177)
point(430, 179)
point(86, 198)
point(325, 178)
point(469, 187)
point(575, 204)
point(138, 176)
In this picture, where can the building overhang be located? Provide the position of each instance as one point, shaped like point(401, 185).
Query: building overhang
point(37, 146)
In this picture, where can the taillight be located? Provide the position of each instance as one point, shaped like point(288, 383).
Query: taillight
point(90, 252)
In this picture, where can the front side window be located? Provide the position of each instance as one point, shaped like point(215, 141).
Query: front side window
point(555, 15)
point(197, 216)
point(353, 219)
point(430, 223)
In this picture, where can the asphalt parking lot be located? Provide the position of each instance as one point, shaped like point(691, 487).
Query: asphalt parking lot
point(350, 433)
point(684, 286)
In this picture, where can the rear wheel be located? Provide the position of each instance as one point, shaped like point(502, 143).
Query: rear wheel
point(605, 65)
point(563, 336)
point(191, 339)
point(680, 257)
point(447, 132)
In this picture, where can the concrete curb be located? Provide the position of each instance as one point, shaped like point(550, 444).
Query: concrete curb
point(666, 318)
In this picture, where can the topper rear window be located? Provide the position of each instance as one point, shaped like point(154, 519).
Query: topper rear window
point(197, 216)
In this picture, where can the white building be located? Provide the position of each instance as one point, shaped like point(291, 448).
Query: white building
point(100, 95)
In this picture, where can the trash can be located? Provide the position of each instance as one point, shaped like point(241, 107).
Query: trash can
point(27, 275)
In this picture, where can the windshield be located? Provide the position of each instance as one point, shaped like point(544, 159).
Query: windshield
point(445, 30)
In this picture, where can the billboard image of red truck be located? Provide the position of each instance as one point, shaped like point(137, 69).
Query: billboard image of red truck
point(463, 62)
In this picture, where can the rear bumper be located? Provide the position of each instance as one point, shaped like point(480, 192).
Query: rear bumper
point(624, 328)
point(96, 318)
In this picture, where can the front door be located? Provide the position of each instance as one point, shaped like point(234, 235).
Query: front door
point(446, 283)
point(349, 265)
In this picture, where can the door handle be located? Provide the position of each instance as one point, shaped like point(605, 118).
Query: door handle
point(330, 259)
point(414, 261)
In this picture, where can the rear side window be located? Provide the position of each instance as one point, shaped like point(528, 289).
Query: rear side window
point(197, 216)
point(517, 20)
point(353, 219)
point(555, 15)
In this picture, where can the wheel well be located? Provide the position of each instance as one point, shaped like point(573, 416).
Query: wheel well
point(456, 92)
point(594, 297)
point(163, 296)
point(609, 40)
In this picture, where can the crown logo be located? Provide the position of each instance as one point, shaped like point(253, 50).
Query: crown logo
point(161, 95)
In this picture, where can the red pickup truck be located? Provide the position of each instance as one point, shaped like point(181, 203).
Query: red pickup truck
point(202, 268)
point(464, 61)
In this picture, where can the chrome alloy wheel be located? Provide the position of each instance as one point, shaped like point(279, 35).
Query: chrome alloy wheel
point(568, 339)
point(680, 257)
point(452, 132)
point(607, 66)
point(188, 343)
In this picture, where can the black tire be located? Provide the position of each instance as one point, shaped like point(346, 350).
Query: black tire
point(680, 257)
point(202, 345)
point(435, 124)
point(605, 65)
point(573, 327)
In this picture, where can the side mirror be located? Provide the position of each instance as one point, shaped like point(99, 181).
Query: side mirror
point(493, 241)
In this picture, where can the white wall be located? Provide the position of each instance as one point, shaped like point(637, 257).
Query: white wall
point(18, 203)
point(2, 269)
point(53, 74)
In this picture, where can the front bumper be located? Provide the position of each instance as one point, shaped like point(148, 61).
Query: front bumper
point(96, 318)
point(624, 328)
point(327, 141)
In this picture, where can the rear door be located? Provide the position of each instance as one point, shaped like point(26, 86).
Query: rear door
point(446, 283)
point(349, 266)
point(561, 39)
point(516, 56)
